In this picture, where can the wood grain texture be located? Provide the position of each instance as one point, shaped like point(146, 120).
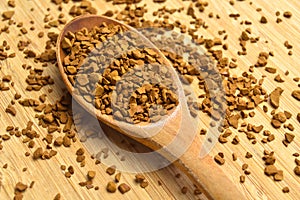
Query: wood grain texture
point(50, 181)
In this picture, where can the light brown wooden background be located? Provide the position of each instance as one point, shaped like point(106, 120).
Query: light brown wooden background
point(47, 175)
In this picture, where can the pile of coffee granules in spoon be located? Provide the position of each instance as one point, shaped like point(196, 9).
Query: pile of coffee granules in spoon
point(95, 62)
point(245, 94)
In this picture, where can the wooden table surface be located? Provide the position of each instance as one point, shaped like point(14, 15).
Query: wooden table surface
point(50, 180)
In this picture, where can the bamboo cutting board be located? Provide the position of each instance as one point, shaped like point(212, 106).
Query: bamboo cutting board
point(49, 180)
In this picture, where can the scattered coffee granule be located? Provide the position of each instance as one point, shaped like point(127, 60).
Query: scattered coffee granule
point(296, 155)
point(118, 177)
point(278, 176)
point(21, 187)
point(123, 188)
point(220, 160)
point(111, 187)
point(235, 140)
point(296, 94)
point(244, 166)
point(275, 97)
point(285, 190)
point(144, 184)
point(278, 79)
point(63, 167)
point(263, 20)
point(91, 175)
point(278, 119)
point(38, 153)
point(84, 8)
point(270, 170)
point(247, 172)
point(271, 70)
point(58, 141)
point(234, 156)
point(66, 141)
point(68, 174)
point(287, 14)
point(71, 169)
point(139, 178)
point(109, 13)
point(288, 45)
point(184, 190)
point(297, 170)
point(11, 3)
point(8, 14)
point(197, 191)
point(11, 110)
point(80, 152)
point(111, 170)
point(289, 137)
point(57, 196)
point(31, 184)
point(242, 179)
point(248, 155)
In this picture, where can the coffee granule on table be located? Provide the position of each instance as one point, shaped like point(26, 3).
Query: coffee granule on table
point(8, 14)
point(285, 190)
point(220, 160)
point(111, 170)
point(123, 188)
point(296, 94)
point(275, 97)
point(287, 14)
point(21, 187)
point(91, 175)
point(111, 187)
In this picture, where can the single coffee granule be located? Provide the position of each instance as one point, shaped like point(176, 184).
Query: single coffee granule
point(144, 184)
point(123, 188)
point(274, 97)
point(297, 170)
point(242, 179)
point(111, 170)
point(111, 187)
point(139, 178)
point(263, 20)
point(91, 175)
point(8, 14)
point(278, 176)
point(21, 187)
point(38, 153)
point(11, 110)
point(118, 177)
point(285, 190)
point(184, 190)
point(57, 197)
point(287, 14)
point(270, 170)
point(31, 184)
point(219, 159)
point(296, 94)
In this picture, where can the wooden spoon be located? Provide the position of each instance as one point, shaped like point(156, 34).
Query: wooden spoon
point(208, 175)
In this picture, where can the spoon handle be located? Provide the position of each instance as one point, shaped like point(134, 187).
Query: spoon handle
point(211, 178)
